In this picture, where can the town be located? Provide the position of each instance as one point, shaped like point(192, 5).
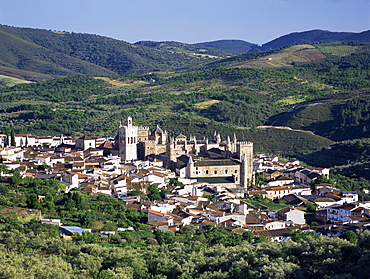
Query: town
point(219, 182)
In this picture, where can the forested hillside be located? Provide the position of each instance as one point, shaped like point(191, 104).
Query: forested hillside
point(306, 37)
point(37, 54)
point(30, 249)
point(315, 36)
point(231, 45)
point(195, 49)
point(349, 158)
point(326, 95)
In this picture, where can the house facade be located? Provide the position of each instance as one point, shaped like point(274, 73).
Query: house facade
point(292, 214)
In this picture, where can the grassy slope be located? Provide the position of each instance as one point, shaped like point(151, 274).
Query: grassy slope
point(321, 117)
point(11, 81)
point(284, 58)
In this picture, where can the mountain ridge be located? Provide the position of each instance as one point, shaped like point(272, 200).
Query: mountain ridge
point(105, 56)
point(39, 54)
point(304, 37)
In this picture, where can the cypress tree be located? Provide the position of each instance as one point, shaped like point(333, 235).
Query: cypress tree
point(12, 138)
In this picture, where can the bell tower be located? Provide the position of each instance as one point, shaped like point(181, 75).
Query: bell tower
point(128, 141)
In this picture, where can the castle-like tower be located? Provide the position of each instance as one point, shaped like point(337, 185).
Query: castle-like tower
point(127, 141)
point(244, 151)
point(137, 142)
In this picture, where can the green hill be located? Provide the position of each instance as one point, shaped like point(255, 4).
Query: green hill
point(326, 96)
point(325, 57)
point(195, 49)
point(306, 37)
point(315, 36)
point(349, 158)
point(338, 118)
point(28, 59)
point(81, 105)
point(239, 46)
point(39, 54)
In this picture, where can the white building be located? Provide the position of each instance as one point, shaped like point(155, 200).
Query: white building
point(292, 214)
point(128, 141)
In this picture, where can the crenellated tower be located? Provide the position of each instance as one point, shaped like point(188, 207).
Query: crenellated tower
point(244, 152)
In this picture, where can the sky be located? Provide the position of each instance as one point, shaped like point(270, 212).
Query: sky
point(188, 21)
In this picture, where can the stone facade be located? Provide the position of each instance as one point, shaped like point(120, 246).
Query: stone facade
point(194, 158)
point(127, 141)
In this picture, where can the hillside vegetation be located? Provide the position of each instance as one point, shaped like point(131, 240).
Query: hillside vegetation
point(37, 250)
point(239, 46)
point(321, 88)
point(37, 54)
point(349, 158)
point(338, 119)
point(306, 37)
point(11, 81)
point(315, 36)
point(195, 49)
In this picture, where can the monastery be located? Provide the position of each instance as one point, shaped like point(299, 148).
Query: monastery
point(213, 161)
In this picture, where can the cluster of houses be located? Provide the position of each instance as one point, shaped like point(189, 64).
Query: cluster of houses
point(93, 164)
point(338, 210)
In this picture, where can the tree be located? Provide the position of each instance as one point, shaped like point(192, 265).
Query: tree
point(33, 201)
point(86, 237)
point(298, 235)
point(165, 237)
point(110, 226)
point(136, 192)
point(16, 179)
point(351, 236)
point(6, 140)
point(209, 197)
point(175, 182)
point(248, 236)
point(154, 194)
point(260, 239)
point(12, 137)
point(163, 193)
point(87, 263)
point(3, 169)
point(311, 207)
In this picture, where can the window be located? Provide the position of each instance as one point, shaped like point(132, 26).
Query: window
point(215, 172)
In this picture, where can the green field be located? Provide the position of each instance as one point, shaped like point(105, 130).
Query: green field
point(284, 58)
point(11, 81)
point(270, 204)
point(338, 50)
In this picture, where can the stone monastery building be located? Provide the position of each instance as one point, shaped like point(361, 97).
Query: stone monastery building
point(212, 161)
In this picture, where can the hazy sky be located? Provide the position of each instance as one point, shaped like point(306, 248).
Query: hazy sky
point(188, 21)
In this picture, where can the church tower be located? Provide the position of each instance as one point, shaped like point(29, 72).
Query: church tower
point(244, 151)
point(171, 154)
point(128, 141)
